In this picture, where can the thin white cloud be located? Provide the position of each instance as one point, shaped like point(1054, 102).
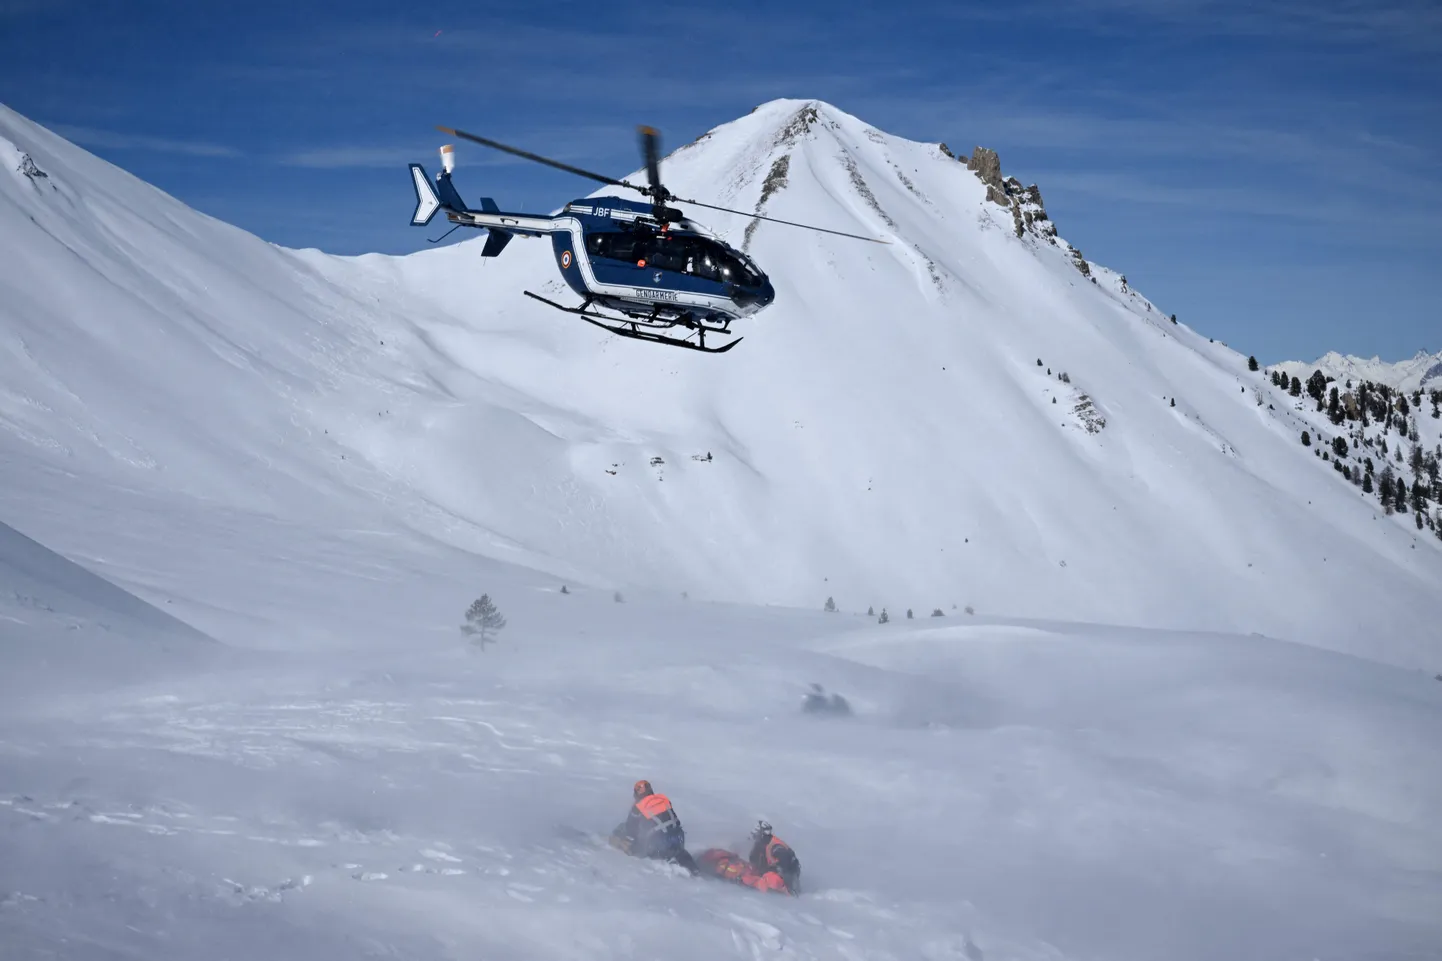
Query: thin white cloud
point(364, 156)
point(335, 158)
point(120, 140)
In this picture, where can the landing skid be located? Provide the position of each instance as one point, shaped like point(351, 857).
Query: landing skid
point(634, 328)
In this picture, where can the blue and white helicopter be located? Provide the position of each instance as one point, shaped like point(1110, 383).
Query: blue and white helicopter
point(645, 261)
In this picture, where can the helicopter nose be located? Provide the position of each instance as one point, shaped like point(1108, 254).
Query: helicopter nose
point(752, 298)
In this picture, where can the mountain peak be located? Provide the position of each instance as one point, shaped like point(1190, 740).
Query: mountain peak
point(954, 416)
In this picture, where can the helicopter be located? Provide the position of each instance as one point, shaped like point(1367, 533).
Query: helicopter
point(641, 268)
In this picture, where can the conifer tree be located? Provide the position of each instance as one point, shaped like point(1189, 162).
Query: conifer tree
point(1296, 389)
point(483, 620)
point(1306, 439)
point(830, 607)
point(1366, 483)
point(1339, 446)
point(884, 618)
point(1252, 363)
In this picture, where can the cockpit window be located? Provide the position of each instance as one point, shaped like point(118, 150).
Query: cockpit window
point(683, 254)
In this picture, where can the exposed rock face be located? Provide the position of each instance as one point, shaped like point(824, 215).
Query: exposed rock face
point(947, 150)
point(28, 168)
point(1028, 215)
point(799, 125)
point(987, 166)
point(775, 180)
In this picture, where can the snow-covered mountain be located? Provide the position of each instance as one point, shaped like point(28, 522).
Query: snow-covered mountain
point(973, 415)
point(319, 462)
point(1422, 371)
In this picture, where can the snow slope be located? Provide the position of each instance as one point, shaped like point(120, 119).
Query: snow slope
point(883, 436)
point(1007, 790)
point(1423, 371)
point(57, 617)
point(320, 462)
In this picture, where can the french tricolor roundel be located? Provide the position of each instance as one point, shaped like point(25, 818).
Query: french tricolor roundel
point(565, 259)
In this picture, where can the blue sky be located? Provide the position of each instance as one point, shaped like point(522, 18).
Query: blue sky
point(1272, 172)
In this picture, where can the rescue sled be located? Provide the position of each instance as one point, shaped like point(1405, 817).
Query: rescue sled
point(726, 865)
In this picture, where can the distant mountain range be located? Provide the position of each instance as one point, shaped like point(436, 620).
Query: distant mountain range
point(1421, 372)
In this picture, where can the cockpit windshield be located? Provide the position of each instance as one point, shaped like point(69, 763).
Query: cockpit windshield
point(682, 253)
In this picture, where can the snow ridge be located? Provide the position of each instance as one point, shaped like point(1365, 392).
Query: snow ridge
point(1422, 371)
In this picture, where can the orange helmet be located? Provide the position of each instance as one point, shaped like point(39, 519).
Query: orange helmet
point(641, 789)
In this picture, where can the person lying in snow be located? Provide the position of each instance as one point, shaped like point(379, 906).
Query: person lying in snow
point(652, 829)
point(772, 866)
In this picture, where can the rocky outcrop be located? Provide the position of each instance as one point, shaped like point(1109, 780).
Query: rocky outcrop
point(1028, 215)
point(799, 125)
point(775, 180)
point(28, 168)
point(987, 166)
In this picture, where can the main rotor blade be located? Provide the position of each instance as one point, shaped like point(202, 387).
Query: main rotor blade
point(778, 220)
point(651, 150)
point(526, 154)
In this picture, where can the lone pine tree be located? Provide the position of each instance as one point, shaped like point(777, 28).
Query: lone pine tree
point(483, 621)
